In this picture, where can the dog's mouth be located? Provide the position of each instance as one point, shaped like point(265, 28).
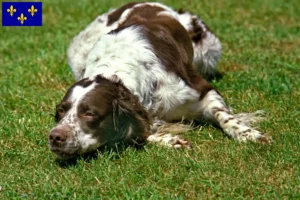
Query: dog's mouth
point(63, 154)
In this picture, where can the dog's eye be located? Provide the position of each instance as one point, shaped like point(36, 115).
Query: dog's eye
point(90, 114)
point(60, 111)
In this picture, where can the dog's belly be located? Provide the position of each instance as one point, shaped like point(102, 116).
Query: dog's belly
point(189, 110)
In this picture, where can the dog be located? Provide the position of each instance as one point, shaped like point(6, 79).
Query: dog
point(140, 70)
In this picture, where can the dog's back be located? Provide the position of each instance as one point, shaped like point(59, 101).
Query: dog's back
point(152, 53)
point(207, 47)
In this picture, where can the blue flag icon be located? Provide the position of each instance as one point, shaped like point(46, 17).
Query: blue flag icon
point(22, 14)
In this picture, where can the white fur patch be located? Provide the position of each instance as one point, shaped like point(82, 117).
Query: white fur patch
point(84, 41)
point(79, 92)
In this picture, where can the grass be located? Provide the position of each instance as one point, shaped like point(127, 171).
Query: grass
point(261, 57)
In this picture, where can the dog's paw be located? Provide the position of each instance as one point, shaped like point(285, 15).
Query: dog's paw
point(169, 140)
point(178, 142)
point(244, 134)
point(265, 139)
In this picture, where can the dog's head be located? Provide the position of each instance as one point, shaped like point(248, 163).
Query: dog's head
point(95, 113)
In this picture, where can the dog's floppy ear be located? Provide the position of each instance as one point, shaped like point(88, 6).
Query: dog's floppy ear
point(116, 115)
point(129, 116)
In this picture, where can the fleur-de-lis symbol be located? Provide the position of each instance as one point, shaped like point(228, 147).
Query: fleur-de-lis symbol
point(11, 10)
point(22, 18)
point(32, 10)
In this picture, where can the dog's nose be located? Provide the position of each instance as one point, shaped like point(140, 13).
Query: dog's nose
point(59, 135)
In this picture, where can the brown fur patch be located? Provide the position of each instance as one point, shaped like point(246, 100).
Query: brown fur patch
point(126, 109)
point(114, 16)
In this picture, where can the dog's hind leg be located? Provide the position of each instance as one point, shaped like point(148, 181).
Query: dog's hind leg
point(207, 47)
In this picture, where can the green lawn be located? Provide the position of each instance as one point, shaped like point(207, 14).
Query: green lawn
point(261, 56)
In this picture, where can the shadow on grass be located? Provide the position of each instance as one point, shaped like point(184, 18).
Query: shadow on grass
point(217, 76)
point(111, 152)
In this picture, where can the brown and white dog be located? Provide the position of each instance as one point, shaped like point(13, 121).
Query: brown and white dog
point(139, 69)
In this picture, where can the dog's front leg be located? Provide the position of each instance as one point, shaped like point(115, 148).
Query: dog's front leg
point(164, 133)
point(237, 126)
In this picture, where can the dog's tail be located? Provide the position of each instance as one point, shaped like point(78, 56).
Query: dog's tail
point(207, 47)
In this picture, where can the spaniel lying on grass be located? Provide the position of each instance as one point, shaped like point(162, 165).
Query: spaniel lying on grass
point(140, 69)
